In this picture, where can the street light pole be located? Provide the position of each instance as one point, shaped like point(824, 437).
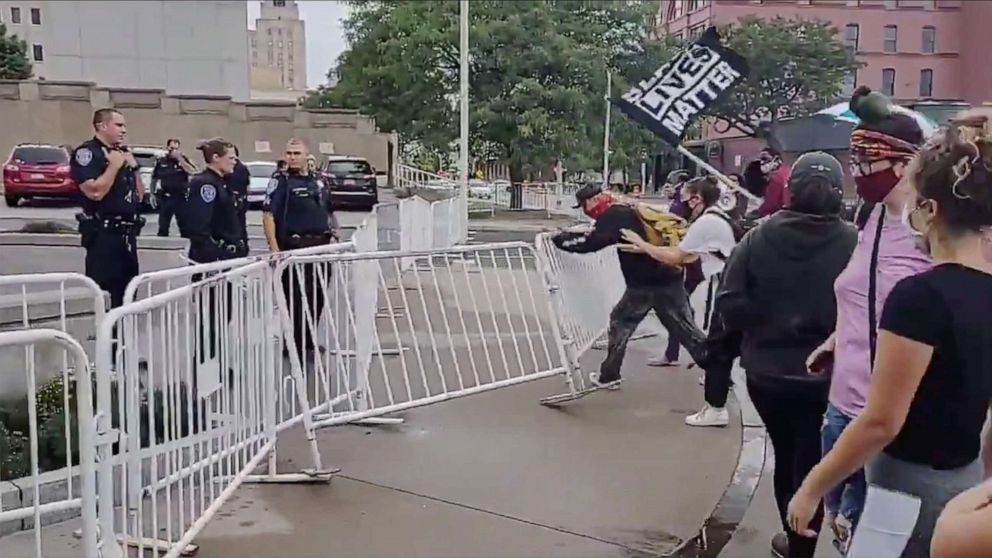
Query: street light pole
point(606, 133)
point(463, 143)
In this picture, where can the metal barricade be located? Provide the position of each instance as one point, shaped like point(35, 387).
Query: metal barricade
point(585, 288)
point(54, 413)
point(179, 434)
point(472, 319)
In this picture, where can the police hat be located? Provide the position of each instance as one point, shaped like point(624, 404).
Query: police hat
point(585, 194)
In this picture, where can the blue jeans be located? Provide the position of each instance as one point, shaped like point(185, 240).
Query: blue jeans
point(847, 498)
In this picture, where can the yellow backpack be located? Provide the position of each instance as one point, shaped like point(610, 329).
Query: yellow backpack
point(661, 227)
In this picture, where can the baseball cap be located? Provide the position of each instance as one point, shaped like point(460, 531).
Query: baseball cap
point(817, 164)
point(586, 193)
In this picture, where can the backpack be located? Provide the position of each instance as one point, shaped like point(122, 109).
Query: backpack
point(660, 227)
point(734, 225)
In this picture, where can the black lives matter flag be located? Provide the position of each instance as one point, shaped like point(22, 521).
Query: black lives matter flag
point(668, 102)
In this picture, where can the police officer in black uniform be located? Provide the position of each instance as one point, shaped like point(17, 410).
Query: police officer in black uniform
point(106, 173)
point(170, 179)
point(237, 183)
point(297, 214)
point(211, 213)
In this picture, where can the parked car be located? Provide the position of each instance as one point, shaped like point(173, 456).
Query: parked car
point(480, 189)
point(146, 157)
point(350, 182)
point(37, 170)
point(261, 172)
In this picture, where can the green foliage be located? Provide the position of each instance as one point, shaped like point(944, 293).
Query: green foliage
point(797, 67)
point(14, 63)
point(538, 71)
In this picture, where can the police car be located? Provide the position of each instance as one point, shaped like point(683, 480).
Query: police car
point(350, 182)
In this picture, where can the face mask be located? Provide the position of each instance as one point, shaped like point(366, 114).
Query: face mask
point(920, 237)
point(598, 205)
point(683, 210)
point(874, 187)
point(769, 167)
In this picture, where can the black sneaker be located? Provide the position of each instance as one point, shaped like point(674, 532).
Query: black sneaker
point(780, 545)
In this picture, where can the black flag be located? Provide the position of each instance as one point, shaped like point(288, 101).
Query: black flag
point(668, 102)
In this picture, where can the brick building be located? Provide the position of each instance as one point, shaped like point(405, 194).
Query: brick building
point(927, 54)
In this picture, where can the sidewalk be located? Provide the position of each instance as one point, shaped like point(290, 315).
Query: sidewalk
point(613, 475)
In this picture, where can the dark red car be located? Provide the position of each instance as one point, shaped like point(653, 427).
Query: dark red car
point(35, 170)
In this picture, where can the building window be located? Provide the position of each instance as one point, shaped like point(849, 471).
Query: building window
point(852, 33)
point(889, 82)
point(279, 3)
point(15, 15)
point(253, 44)
point(926, 83)
point(891, 38)
point(35, 16)
point(38, 52)
point(929, 40)
point(850, 84)
point(269, 31)
point(291, 44)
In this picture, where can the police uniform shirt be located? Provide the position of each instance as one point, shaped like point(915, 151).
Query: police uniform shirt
point(89, 160)
point(296, 202)
point(239, 179)
point(172, 175)
point(211, 218)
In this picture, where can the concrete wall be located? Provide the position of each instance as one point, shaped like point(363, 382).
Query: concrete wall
point(61, 113)
point(181, 47)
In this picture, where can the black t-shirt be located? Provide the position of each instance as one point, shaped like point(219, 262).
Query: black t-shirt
point(948, 308)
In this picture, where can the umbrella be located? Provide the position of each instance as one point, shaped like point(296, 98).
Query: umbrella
point(842, 111)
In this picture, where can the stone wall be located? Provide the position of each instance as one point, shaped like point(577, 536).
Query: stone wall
point(61, 113)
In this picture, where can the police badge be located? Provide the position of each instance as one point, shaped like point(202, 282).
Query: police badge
point(84, 156)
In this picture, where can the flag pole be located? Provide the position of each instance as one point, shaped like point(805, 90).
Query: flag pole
point(717, 174)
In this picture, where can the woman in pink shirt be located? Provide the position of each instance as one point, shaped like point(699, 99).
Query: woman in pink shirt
point(881, 148)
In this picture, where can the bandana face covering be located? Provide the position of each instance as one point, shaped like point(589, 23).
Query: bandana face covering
point(598, 205)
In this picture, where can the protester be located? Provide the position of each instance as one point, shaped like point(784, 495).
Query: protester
point(677, 180)
point(650, 285)
point(777, 292)
point(709, 241)
point(886, 253)
point(931, 386)
point(776, 174)
point(964, 529)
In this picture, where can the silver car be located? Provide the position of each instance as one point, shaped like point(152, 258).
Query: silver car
point(261, 172)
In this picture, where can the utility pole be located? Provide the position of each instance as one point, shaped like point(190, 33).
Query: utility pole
point(606, 133)
point(463, 143)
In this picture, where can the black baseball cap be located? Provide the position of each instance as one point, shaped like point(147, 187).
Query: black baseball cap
point(817, 164)
point(585, 194)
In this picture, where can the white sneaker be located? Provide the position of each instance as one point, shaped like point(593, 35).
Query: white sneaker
point(709, 416)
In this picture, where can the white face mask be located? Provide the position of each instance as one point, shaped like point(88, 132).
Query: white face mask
point(768, 167)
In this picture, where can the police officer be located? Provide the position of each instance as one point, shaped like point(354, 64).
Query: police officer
point(212, 222)
point(170, 178)
point(106, 173)
point(297, 214)
point(237, 183)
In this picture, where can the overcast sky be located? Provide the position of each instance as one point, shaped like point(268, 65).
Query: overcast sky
point(325, 34)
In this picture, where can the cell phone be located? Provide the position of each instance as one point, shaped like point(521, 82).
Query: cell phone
point(823, 364)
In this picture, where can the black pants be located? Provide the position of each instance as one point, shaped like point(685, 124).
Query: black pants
point(722, 348)
point(169, 206)
point(671, 304)
point(111, 260)
point(299, 306)
point(793, 418)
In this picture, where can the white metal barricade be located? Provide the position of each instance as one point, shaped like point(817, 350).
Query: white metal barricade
point(447, 333)
point(194, 423)
point(585, 288)
point(54, 496)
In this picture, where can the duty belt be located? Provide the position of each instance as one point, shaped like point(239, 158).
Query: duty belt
point(230, 247)
point(113, 222)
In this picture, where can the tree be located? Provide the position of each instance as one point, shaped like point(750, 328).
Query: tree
point(14, 63)
point(537, 75)
point(796, 66)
